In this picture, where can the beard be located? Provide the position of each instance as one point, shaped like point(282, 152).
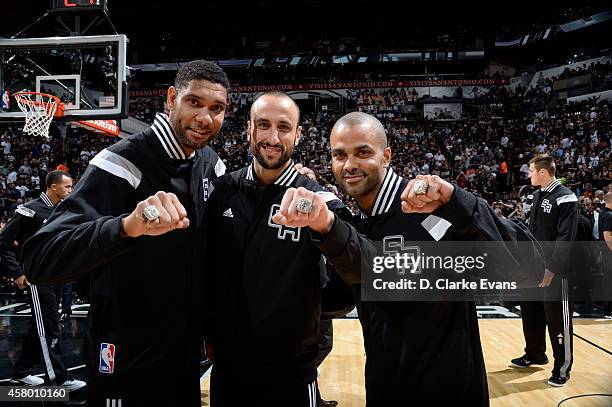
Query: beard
point(272, 165)
point(183, 139)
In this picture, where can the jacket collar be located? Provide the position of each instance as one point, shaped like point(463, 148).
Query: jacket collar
point(386, 194)
point(284, 180)
point(162, 129)
point(45, 198)
point(551, 186)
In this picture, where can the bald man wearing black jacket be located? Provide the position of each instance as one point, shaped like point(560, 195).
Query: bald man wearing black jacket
point(417, 353)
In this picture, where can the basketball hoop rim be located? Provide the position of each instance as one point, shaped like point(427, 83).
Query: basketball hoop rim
point(59, 111)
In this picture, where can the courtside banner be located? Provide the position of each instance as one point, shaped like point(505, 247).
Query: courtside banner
point(108, 127)
point(343, 85)
point(488, 272)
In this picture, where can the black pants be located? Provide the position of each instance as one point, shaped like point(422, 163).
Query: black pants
point(326, 339)
point(255, 391)
point(151, 386)
point(66, 292)
point(557, 315)
point(42, 341)
point(326, 343)
point(179, 399)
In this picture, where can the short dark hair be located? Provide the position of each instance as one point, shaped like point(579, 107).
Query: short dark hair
point(200, 70)
point(544, 161)
point(55, 177)
point(360, 119)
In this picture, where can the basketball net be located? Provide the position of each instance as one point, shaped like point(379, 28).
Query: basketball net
point(39, 110)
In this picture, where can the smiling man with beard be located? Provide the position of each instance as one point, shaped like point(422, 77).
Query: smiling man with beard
point(270, 156)
point(136, 219)
point(269, 230)
point(418, 353)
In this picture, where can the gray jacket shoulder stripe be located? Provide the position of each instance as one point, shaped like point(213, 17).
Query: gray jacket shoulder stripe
point(567, 198)
point(220, 167)
point(22, 210)
point(118, 166)
point(327, 196)
point(436, 226)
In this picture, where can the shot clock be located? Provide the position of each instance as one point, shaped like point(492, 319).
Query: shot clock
point(78, 5)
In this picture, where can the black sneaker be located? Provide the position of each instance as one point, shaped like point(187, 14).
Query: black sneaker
point(524, 361)
point(558, 381)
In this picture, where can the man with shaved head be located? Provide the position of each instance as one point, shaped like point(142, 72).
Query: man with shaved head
point(270, 228)
point(418, 353)
point(273, 104)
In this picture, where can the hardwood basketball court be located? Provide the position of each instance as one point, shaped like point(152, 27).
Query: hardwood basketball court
point(341, 377)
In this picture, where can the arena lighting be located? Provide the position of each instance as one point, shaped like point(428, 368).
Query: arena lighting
point(405, 56)
point(281, 60)
point(234, 62)
point(471, 55)
point(342, 59)
point(587, 21)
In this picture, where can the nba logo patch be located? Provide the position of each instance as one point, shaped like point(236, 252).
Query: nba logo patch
point(107, 358)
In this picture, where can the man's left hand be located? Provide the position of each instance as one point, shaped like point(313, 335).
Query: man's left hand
point(439, 192)
point(320, 218)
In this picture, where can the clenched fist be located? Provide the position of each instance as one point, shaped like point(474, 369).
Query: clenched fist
point(21, 282)
point(438, 193)
point(172, 215)
point(319, 218)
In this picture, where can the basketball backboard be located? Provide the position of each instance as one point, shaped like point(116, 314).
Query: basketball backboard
point(88, 73)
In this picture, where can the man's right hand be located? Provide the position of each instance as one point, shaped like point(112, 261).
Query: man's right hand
point(21, 282)
point(548, 277)
point(172, 215)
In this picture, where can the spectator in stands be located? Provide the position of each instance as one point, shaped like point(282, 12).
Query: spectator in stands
point(597, 205)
